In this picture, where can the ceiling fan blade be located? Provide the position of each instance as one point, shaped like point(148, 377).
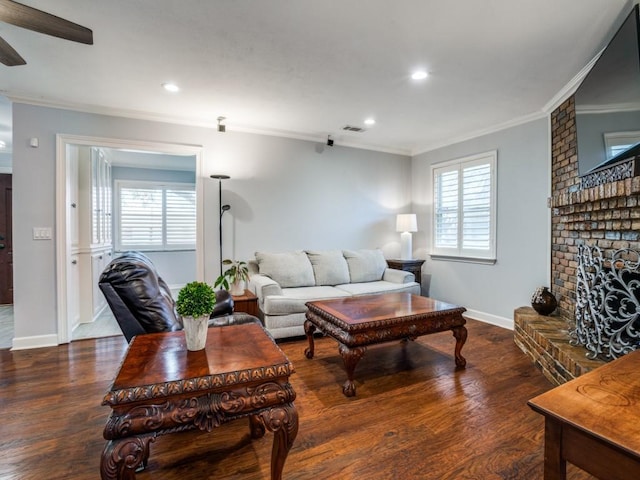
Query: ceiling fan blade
point(9, 56)
point(33, 19)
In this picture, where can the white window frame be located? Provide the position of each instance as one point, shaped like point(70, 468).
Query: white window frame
point(119, 184)
point(458, 253)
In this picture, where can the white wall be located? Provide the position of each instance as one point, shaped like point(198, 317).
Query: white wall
point(284, 194)
point(492, 292)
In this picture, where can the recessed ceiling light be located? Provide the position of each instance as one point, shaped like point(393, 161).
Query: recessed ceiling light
point(171, 87)
point(3, 145)
point(370, 121)
point(419, 75)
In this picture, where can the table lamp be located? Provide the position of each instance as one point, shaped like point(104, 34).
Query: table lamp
point(406, 223)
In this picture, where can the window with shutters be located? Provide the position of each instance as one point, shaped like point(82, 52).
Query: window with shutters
point(155, 216)
point(464, 208)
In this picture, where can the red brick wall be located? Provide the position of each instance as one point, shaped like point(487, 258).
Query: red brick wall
point(607, 216)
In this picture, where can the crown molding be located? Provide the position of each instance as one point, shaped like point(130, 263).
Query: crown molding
point(571, 87)
point(320, 138)
point(480, 133)
point(100, 110)
point(140, 115)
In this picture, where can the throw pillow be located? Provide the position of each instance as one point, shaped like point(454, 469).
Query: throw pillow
point(290, 269)
point(365, 265)
point(329, 267)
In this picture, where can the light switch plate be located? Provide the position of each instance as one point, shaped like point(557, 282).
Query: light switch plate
point(42, 233)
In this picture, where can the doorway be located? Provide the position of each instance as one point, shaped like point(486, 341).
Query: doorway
point(66, 253)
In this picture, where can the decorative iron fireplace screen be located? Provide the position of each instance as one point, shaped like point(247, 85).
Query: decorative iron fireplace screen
point(607, 302)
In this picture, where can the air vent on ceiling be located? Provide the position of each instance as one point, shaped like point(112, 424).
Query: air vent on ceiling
point(351, 128)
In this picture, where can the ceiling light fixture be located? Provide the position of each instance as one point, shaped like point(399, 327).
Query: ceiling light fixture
point(221, 128)
point(419, 75)
point(171, 87)
point(3, 145)
point(370, 121)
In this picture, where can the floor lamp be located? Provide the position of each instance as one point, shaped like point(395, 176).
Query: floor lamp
point(223, 208)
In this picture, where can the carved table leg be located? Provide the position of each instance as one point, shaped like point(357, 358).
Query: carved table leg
point(350, 357)
point(460, 334)
point(256, 426)
point(309, 329)
point(283, 422)
point(121, 458)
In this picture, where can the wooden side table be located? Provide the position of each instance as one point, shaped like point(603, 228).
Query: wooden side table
point(592, 422)
point(414, 266)
point(247, 303)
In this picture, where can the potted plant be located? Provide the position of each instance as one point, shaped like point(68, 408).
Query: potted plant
point(234, 277)
point(195, 304)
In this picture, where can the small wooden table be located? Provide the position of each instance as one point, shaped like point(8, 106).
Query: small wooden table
point(162, 388)
point(414, 266)
point(356, 322)
point(247, 303)
point(592, 422)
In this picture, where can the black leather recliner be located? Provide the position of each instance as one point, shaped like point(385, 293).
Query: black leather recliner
point(141, 301)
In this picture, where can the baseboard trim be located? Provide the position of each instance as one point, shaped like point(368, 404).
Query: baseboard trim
point(37, 341)
point(489, 318)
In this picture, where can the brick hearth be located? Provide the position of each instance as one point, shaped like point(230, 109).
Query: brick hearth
point(546, 341)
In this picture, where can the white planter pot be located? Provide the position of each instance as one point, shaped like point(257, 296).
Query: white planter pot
point(237, 288)
point(195, 332)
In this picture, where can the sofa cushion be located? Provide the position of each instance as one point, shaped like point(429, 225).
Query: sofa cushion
point(381, 286)
point(293, 300)
point(329, 267)
point(290, 269)
point(365, 265)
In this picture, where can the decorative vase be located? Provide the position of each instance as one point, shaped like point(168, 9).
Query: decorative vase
point(195, 331)
point(543, 301)
point(237, 288)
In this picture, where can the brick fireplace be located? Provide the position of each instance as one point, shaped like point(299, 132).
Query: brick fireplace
point(607, 216)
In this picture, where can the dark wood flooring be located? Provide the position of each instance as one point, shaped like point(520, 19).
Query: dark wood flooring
point(414, 417)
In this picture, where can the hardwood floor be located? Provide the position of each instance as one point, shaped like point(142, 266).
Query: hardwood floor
point(414, 417)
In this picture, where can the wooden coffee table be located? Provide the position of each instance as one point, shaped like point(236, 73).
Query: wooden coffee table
point(162, 388)
point(356, 322)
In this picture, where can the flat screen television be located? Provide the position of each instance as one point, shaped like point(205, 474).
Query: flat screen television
point(607, 102)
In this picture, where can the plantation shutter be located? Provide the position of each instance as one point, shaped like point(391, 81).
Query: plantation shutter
point(140, 217)
point(476, 207)
point(446, 208)
point(464, 205)
point(181, 217)
point(155, 216)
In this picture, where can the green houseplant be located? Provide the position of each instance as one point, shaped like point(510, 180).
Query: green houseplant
point(234, 277)
point(195, 303)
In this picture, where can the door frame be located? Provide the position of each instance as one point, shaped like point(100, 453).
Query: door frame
point(62, 231)
point(9, 238)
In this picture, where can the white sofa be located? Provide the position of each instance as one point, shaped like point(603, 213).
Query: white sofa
point(285, 282)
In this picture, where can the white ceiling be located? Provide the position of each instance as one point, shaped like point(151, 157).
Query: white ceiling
point(306, 68)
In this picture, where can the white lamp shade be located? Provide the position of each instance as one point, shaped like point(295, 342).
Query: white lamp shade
point(406, 222)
